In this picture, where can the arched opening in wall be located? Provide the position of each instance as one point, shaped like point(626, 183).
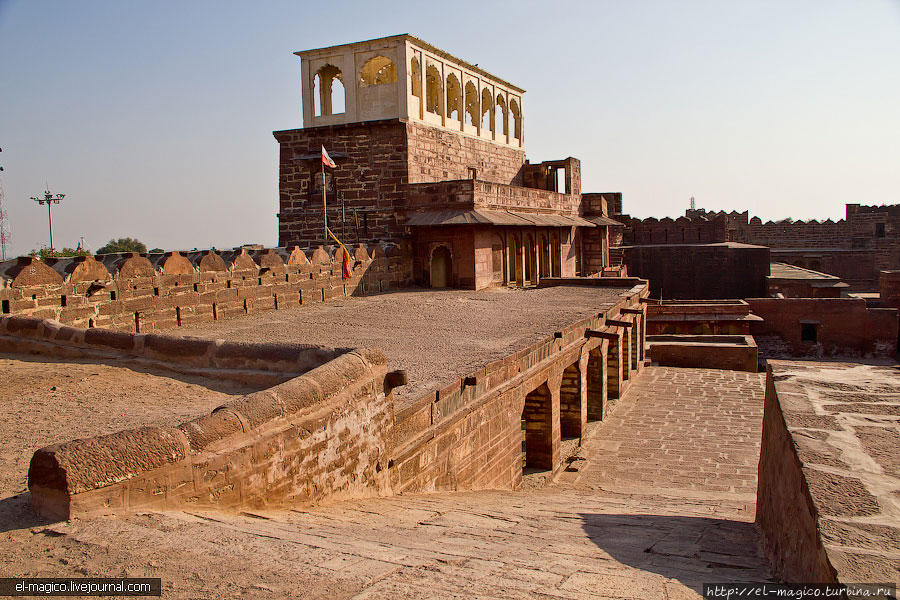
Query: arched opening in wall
point(515, 115)
point(596, 388)
point(555, 256)
point(570, 402)
point(561, 184)
point(378, 70)
point(433, 90)
point(328, 91)
point(454, 97)
point(613, 372)
point(514, 270)
point(530, 267)
point(415, 78)
point(501, 119)
point(471, 104)
point(537, 430)
point(441, 265)
point(487, 110)
point(544, 256)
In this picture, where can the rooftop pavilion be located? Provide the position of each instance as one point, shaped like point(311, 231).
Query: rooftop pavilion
point(402, 77)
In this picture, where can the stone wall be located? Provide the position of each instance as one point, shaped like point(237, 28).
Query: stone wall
point(854, 249)
point(731, 352)
point(841, 326)
point(700, 271)
point(320, 435)
point(786, 513)
point(138, 293)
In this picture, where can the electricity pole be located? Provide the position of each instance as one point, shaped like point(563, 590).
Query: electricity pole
point(49, 199)
point(4, 222)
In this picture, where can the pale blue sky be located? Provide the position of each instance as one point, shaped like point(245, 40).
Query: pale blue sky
point(155, 118)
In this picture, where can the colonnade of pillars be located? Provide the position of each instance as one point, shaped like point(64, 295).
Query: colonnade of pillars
point(531, 257)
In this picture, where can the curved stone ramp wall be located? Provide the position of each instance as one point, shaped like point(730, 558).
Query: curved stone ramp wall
point(325, 434)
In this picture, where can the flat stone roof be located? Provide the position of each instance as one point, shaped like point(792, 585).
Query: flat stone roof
point(437, 336)
point(778, 270)
point(844, 418)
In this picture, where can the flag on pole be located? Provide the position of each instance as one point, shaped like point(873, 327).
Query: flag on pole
point(326, 160)
point(345, 267)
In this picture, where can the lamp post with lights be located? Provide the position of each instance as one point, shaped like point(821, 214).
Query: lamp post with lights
point(49, 199)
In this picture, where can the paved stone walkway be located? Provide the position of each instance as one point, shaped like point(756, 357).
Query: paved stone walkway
point(659, 501)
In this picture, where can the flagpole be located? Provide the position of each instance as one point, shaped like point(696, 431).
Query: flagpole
point(324, 203)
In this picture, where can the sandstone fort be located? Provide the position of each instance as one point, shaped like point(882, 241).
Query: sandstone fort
point(484, 382)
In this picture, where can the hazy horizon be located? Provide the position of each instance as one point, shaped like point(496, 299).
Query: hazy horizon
point(156, 119)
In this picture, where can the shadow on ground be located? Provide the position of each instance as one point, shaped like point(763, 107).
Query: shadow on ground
point(16, 513)
point(692, 550)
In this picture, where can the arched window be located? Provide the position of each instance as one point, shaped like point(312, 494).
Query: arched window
point(433, 90)
point(328, 99)
point(378, 70)
point(516, 116)
point(487, 110)
point(471, 104)
point(415, 75)
point(454, 97)
point(501, 120)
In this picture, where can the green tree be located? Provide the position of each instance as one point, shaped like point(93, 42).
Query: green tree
point(125, 244)
point(65, 252)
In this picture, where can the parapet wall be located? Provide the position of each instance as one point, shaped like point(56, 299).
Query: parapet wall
point(143, 293)
point(260, 363)
point(320, 435)
point(786, 512)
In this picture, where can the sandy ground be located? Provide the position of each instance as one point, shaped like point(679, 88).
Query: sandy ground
point(614, 525)
point(437, 336)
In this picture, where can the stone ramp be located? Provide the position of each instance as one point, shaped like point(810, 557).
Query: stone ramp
point(598, 532)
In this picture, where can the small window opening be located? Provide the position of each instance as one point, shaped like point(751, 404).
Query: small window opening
point(215, 312)
point(34, 296)
point(879, 230)
point(62, 300)
point(196, 288)
point(137, 322)
point(112, 294)
point(178, 315)
point(473, 173)
point(228, 283)
point(156, 291)
point(259, 281)
point(90, 323)
point(245, 306)
point(275, 299)
point(809, 332)
point(6, 306)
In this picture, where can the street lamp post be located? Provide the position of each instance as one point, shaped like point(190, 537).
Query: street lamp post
point(49, 199)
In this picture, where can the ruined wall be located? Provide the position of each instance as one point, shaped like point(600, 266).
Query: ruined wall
point(841, 325)
point(320, 435)
point(786, 513)
point(700, 271)
point(131, 294)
